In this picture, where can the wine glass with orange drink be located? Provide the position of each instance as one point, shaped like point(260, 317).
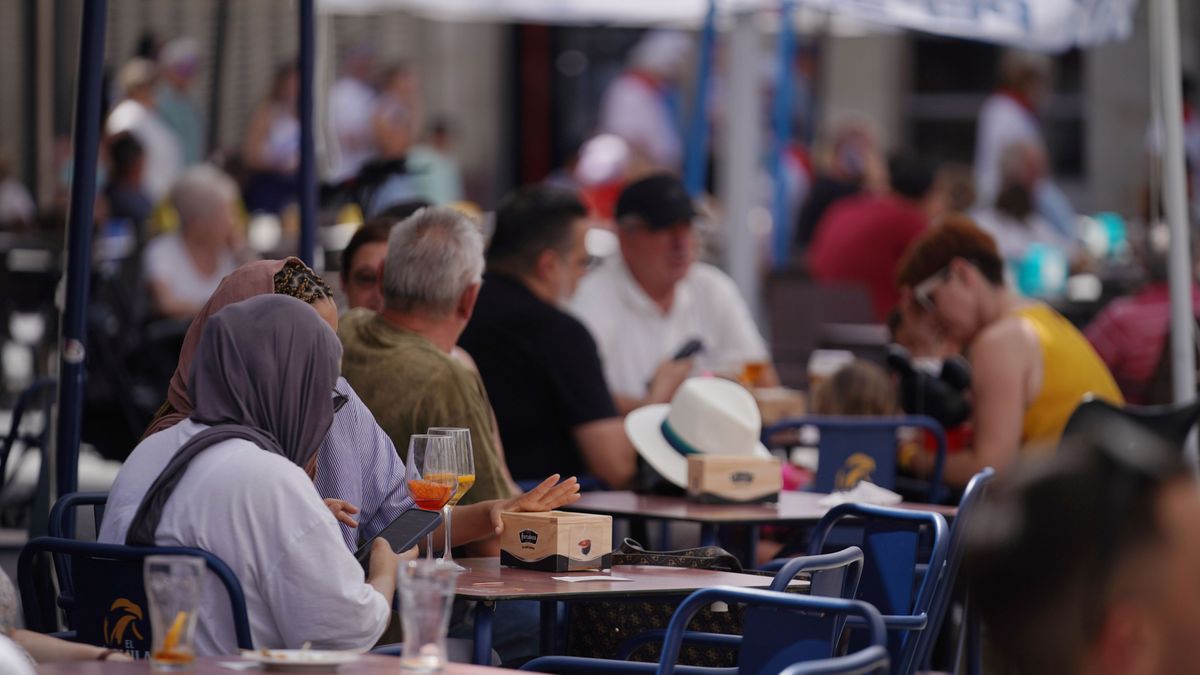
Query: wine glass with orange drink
point(431, 473)
point(465, 464)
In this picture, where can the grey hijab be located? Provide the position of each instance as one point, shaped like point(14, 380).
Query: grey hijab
point(264, 372)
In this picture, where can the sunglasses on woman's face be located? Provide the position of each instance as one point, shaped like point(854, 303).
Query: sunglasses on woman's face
point(923, 292)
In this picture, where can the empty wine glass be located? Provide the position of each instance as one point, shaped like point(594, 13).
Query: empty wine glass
point(465, 459)
point(431, 473)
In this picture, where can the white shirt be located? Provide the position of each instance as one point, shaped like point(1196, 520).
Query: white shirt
point(351, 109)
point(1002, 122)
point(164, 154)
point(634, 336)
point(261, 515)
point(1013, 237)
point(636, 111)
point(166, 259)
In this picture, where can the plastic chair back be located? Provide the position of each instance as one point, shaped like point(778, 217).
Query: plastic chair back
point(106, 603)
point(1169, 423)
point(975, 492)
point(854, 449)
point(904, 552)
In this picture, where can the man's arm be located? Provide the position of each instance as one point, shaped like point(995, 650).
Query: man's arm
point(666, 380)
point(607, 451)
point(1002, 360)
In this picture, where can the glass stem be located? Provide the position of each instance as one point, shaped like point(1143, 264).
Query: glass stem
point(446, 555)
point(429, 546)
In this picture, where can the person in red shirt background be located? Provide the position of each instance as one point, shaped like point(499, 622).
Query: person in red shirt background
point(861, 239)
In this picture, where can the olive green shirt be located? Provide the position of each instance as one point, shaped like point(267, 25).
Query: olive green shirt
point(410, 385)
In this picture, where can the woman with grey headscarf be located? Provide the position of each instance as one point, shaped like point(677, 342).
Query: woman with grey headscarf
point(261, 385)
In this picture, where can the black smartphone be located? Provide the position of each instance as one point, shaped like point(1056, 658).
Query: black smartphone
point(403, 533)
point(688, 350)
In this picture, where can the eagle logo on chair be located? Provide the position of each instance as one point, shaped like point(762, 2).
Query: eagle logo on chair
point(857, 468)
point(125, 615)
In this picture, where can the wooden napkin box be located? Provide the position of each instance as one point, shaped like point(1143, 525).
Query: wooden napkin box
point(728, 479)
point(556, 541)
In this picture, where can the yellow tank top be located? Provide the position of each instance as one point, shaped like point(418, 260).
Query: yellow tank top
point(1071, 369)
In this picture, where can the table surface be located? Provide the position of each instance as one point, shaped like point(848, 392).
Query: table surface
point(487, 580)
point(793, 507)
point(211, 665)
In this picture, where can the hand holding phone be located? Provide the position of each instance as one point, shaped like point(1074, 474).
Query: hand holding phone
point(403, 533)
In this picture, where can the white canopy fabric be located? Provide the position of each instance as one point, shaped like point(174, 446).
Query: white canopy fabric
point(1047, 25)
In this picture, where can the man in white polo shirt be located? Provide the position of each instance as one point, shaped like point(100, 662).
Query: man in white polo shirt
point(646, 305)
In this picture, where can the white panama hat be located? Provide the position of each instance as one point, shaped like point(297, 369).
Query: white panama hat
point(707, 416)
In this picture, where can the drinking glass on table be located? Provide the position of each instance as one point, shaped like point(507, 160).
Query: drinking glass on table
point(432, 474)
point(173, 585)
point(426, 596)
point(465, 460)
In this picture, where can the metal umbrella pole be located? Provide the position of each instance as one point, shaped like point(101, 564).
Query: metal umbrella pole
point(308, 140)
point(73, 337)
point(1164, 17)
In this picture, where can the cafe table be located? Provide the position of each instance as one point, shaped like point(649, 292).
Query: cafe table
point(488, 582)
point(793, 508)
point(369, 664)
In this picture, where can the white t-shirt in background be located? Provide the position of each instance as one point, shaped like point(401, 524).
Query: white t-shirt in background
point(261, 515)
point(166, 259)
point(634, 336)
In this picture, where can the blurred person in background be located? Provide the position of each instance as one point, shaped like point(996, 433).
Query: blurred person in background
point(848, 161)
point(138, 115)
point(177, 63)
point(439, 178)
point(398, 111)
point(1085, 562)
point(1030, 367)
point(861, 239)
point(1013, 219)
point(362, 264)
point(271, 147)
point(16, 204)
point(183, 268)
point(126, 197)
point(351, 110)
point(958, 181)
point(540, 364)
point(646, 304)
point(1131, 333)
point(1010, 116)
point(642, 104)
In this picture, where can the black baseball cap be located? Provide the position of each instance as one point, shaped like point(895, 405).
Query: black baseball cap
point(659, 200)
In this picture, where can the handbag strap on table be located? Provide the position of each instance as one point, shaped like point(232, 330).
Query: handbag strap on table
point(704, 557)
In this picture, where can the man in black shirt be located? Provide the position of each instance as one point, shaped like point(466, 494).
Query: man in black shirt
point(540, 364)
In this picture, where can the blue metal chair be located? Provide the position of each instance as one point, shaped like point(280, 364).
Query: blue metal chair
point(944, 593)
point(831, 575)
point(904, 552)
point(781, 629)
point(105, 599)
point(873, 659)
point(853, 449)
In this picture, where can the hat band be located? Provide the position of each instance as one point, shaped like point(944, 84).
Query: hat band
point(676, 441)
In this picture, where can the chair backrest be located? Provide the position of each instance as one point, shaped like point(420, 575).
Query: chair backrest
point(795, 335)
point(106, 605)
point(873, 659)
point(853, 449)
point(1170, 423)
point(904, 552)
point(831, 575)
point(967, 507)
point(780, 629)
